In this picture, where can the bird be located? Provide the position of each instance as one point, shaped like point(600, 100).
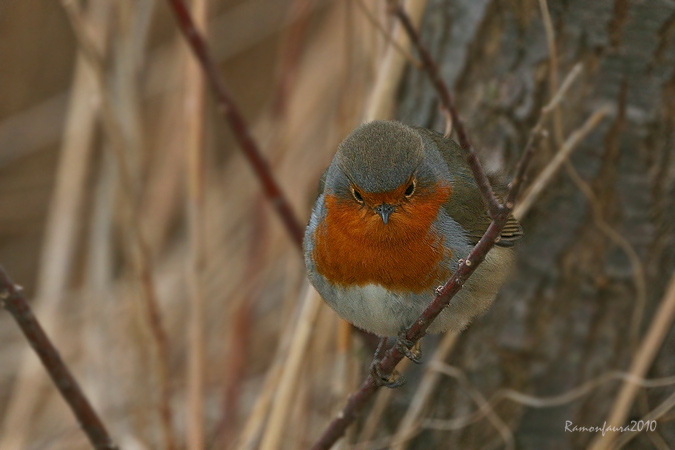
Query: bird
point(397, 209)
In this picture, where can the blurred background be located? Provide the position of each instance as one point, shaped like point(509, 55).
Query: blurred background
point(152, 258)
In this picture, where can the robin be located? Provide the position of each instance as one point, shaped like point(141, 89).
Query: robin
point(397, 208)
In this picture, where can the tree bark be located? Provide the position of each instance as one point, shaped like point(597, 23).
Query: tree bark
point(565, 316)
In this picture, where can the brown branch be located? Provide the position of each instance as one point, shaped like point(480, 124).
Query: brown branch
point(291, 55)
point(643, 358)
point(388, 37)
point(655, 414)
point(444, 295)
point(138, 249)
point(237, 123)
point(194, 108)
point(13, 300)
point(428, 64)
point(417, 330)
point(533, 401)
point(500, 214)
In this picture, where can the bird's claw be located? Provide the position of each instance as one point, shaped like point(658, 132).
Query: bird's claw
point(392, 381)
point(412, 351)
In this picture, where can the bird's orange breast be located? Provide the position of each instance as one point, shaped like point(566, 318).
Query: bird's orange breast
point(354, 247)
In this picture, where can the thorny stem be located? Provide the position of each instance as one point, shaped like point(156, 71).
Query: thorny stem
point(14, 301)
point(499, 213)
point(237, 123)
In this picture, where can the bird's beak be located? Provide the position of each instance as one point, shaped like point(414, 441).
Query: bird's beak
point(384, 210)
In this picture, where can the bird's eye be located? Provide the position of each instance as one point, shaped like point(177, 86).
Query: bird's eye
point(410, 190)
point(357, 195)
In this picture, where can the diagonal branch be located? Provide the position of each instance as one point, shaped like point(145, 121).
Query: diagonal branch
point(393, 356)
point(500, 214)
point(430, 66)
point(13, 300)
point(237, 123)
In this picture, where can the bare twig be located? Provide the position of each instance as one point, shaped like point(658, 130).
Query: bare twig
point(13, 300)
point(290, 371)
point(392, 357)
point(372, 422)
point(478, 398)
point(196, 173)
point(655, 414)
point(240, 333)
point(494, 208)
point(537, 133)
point(544, 402)
point(541, 402)
point(390, 69)
point(406, 429)
point(642, 360)
point(250, 433)
point(603, 226)
point(370, 17)
point(25, 138)
point(61, 233)
point(138, 249)
point(558, 131)
point(600, 222)
point(546, 175)
point(290, 54)
point(239, 126)
point(499, 213)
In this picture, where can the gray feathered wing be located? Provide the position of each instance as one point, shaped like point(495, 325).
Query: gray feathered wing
point(466, 193)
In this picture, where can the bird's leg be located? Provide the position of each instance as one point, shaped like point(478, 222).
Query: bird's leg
point(412, 351)
point(392, 381)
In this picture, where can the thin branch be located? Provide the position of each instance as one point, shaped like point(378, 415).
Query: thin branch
point(63, 221)
point(291, 55)
point(537, 133)
point(406, 428)
point(237, 123)
point(603, 226)
point(390, 69)
point(558, 131)
point(499, 213)
point(138, 248)
point(479, 399)
point(642, 360)
point(290, 372)
point(240, 334)
point(655, 414)
point(552, 401)
point(196, 173)
point(494, 208)
point(388, 37)
point(13, 300)
point(417, 330)
point(546, 175)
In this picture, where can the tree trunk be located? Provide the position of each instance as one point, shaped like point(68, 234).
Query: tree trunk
point(565, 316)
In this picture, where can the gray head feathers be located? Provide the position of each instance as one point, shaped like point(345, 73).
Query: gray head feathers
point(380, 156)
